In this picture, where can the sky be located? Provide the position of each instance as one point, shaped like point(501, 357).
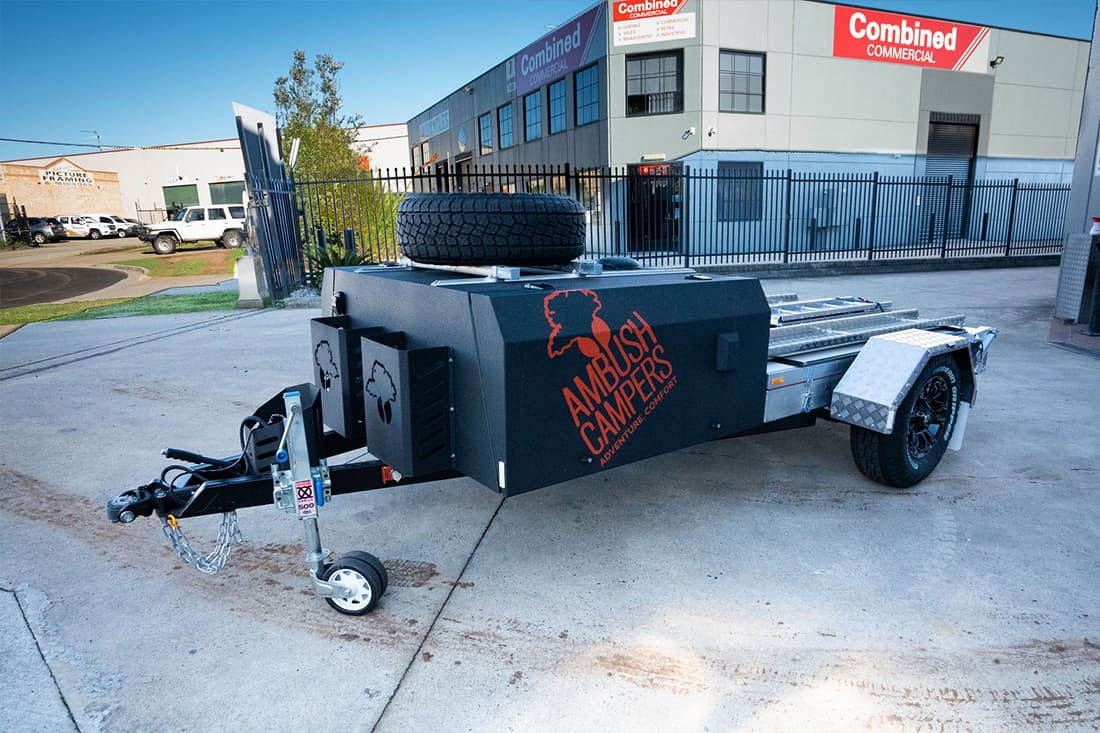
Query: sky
point(161, 72)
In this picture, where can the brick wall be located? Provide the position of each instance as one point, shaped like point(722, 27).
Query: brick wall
point(64, 188)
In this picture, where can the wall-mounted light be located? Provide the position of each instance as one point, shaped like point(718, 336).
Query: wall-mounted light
point(711, 132)
point(996, 62)
point(468, 89)
point(688, 133)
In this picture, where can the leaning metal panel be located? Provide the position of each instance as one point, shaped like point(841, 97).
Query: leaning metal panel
point(834, 332)
point(1071, 277)
point(883, 373)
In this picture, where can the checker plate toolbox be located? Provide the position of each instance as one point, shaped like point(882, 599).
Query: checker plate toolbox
point(521, 378)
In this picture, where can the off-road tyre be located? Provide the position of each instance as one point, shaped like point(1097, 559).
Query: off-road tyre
point(923, 426)
point(490, 228)
point(231, 239)
point(164, 244)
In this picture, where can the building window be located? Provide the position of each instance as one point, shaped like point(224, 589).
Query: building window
point(586, 91)
point(740, 82)
point(176, 197)
point(740, 191)
point(557, 106)
point(532, 116)
point(655, 84)
point(227, 193)
point(504, 126)
point(485, 132)
point(416, 158)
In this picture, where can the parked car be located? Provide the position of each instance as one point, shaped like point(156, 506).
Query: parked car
point(35, 230)
point(136, 227)
point(224, 224)
point(106, 223)
point(123, 227)
point(82, 225)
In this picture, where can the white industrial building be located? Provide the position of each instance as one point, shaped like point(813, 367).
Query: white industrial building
point(152, 179)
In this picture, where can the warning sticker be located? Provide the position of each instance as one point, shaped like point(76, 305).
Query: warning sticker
point(307, 499)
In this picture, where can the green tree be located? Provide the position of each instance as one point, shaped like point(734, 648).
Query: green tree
point(308, 107)
point(334, 192)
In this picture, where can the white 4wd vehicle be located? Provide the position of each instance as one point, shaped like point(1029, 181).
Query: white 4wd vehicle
point(223, 224)
point(83, 225)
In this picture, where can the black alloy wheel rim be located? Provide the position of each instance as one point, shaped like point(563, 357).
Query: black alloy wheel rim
point(928, 420)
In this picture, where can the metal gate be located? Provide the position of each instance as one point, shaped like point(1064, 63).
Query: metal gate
point(653, 208)
point(273, 214)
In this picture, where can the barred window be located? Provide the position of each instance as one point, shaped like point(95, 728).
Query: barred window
point(740, 82)
point(740, 191)
point(557, 106)
point(655, 84)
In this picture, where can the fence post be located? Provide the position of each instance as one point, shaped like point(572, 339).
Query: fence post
point(349, 240)
point(946, 218)
point(1011, 215)
point(874, 217)
point(570, 188)
point(787, 222)
point(685, 239)
point(321, 244)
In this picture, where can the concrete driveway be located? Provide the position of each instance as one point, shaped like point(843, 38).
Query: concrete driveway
point(752, 585)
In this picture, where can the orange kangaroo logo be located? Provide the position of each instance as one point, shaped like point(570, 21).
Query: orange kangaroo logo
point(575, 311)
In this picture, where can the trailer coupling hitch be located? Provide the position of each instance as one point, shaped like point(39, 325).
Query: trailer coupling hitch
point(156, 496)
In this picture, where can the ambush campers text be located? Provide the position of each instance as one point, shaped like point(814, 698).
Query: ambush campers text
point(918, 44)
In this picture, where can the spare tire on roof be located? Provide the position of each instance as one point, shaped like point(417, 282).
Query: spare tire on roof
point(490, 228)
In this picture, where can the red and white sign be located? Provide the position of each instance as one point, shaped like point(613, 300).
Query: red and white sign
point(648, 21)
point(872, 35)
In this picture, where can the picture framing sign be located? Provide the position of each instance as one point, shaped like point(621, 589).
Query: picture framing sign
point(66, 177)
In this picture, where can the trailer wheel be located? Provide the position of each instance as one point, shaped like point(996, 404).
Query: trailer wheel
point(375, 563)
point(490, 228)
point(923, 426)
point(359, 574)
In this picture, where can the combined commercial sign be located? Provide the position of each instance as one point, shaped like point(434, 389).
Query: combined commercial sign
point(557, 53)
point(649, 21)
point(873, 35)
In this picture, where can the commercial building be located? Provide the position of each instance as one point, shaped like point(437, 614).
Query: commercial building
point(776, 83)
point(145, 182)
point(707, 104)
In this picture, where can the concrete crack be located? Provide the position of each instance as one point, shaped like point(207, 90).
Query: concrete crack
point(42, 656)
point(431, 626)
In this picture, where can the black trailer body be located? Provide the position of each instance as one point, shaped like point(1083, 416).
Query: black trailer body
point(523, 377)
point(526, 383)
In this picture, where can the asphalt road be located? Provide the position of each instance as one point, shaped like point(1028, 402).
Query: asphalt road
point(31, 286)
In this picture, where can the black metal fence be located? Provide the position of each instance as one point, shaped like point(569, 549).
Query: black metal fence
point(671, 213)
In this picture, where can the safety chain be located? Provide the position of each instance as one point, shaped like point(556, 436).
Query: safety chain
point(229, 534)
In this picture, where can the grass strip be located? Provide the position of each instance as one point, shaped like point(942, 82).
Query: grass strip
point(49, 311)
point(158, 305)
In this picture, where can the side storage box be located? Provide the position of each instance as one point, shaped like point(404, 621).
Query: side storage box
point(407, 399)
point(338, 373)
